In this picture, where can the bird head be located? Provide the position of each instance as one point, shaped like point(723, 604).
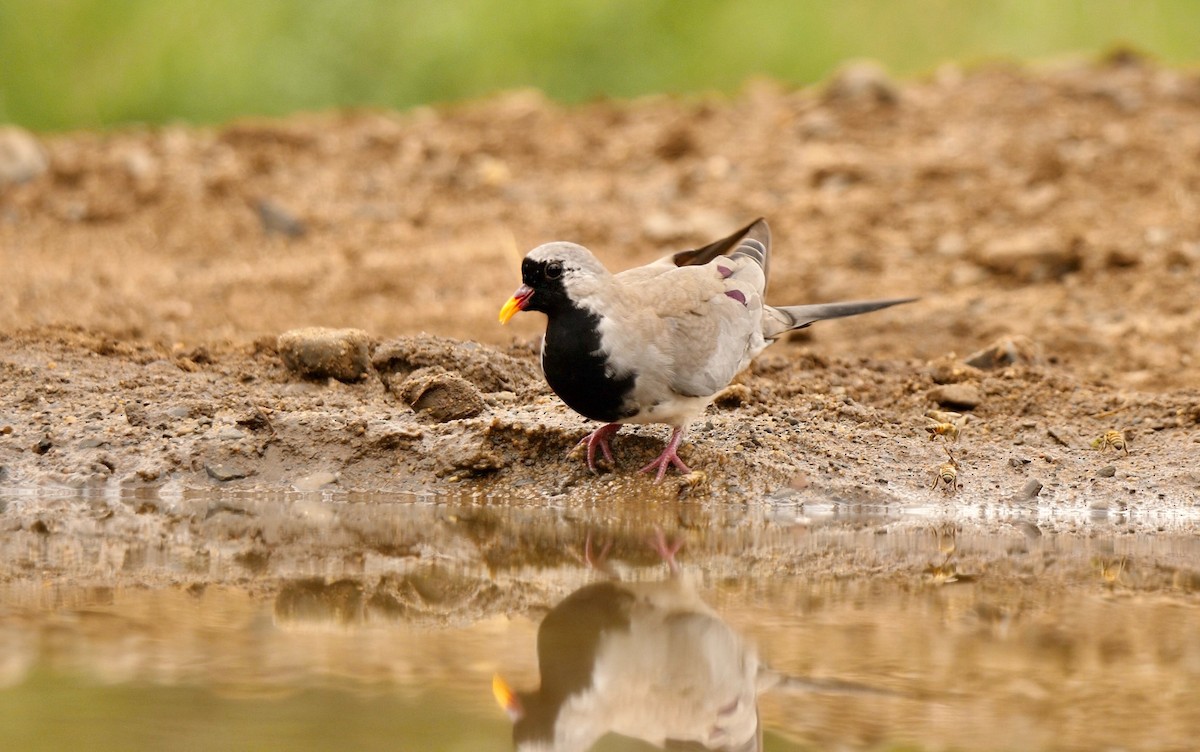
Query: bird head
point(553, 275)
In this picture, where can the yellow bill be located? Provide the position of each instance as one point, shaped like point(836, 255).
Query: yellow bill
point(506, 698)
point(518, 302)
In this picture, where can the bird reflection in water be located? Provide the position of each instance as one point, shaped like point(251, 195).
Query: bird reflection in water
point(645, 660)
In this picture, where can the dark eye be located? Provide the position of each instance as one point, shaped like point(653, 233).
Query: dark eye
point(553, 270)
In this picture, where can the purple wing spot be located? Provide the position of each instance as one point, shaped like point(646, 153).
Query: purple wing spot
point(736, 295)
point(725, 271)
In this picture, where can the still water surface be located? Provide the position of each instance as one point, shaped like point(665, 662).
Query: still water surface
point(378, 624)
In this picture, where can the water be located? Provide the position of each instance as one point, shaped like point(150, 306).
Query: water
point(310, 623)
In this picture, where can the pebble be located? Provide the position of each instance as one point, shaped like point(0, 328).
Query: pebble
point(1059, 434)
point(440, 394)
point(317, 352)
point(21, 156)
point(1032, 256)
point(1107, 471)
point(1031, 489)
point(957, 396)
point(135, 414)
point(1004, 352)
point(228, 433)
point(315, 481)
point(278, 220)
point(225, 473)
point(951, 371)
point(863, 81)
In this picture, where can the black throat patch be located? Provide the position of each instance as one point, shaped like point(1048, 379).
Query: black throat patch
point(577, 372)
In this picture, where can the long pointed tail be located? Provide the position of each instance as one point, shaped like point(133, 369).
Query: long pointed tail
point(786, 318)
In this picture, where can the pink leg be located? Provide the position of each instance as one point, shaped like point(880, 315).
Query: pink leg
point(593, 560)
point(668, 458)
point(599, 438)
point(666, 550)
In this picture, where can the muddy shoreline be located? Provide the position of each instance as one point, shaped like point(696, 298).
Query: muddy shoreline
point(1046, 218)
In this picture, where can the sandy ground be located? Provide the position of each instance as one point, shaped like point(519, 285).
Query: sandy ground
point(1050, 215)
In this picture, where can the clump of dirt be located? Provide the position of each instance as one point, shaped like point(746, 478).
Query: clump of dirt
point(440, 394)
point(1044, 217)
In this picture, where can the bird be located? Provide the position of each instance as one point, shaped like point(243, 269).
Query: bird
point(657, 343)
point(647, 660)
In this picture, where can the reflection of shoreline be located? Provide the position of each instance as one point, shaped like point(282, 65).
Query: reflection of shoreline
point(1060, 632)
point(229, 640)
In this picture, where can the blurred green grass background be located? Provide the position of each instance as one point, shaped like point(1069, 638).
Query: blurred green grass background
point(87, 63)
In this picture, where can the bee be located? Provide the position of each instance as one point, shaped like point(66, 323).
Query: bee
point(946, 476)
point(945, 424)
point(1111, 440)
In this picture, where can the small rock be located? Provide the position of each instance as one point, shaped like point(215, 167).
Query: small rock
point(1030, 490)
point(957, 396)
point(949, 370)
point(92, 443)
point(862, 81)
point(1018, 461)
point(317, 352)
point(21, 156)
point(43, 446)
point(1107, 471)
point(315, 481)
point(225, 473)
point(227, 433)
point(676, 143)
point(492, 172)
point(440, 394)
point(135, 414)
point(1005, 352)
point(1060, 435)
point(277, 220)
point(1036, 255)
point(391, 438)
point(466, 459)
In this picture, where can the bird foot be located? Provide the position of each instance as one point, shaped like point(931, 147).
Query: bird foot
point(668, 458)
point(665, 550)
point(598, 439)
